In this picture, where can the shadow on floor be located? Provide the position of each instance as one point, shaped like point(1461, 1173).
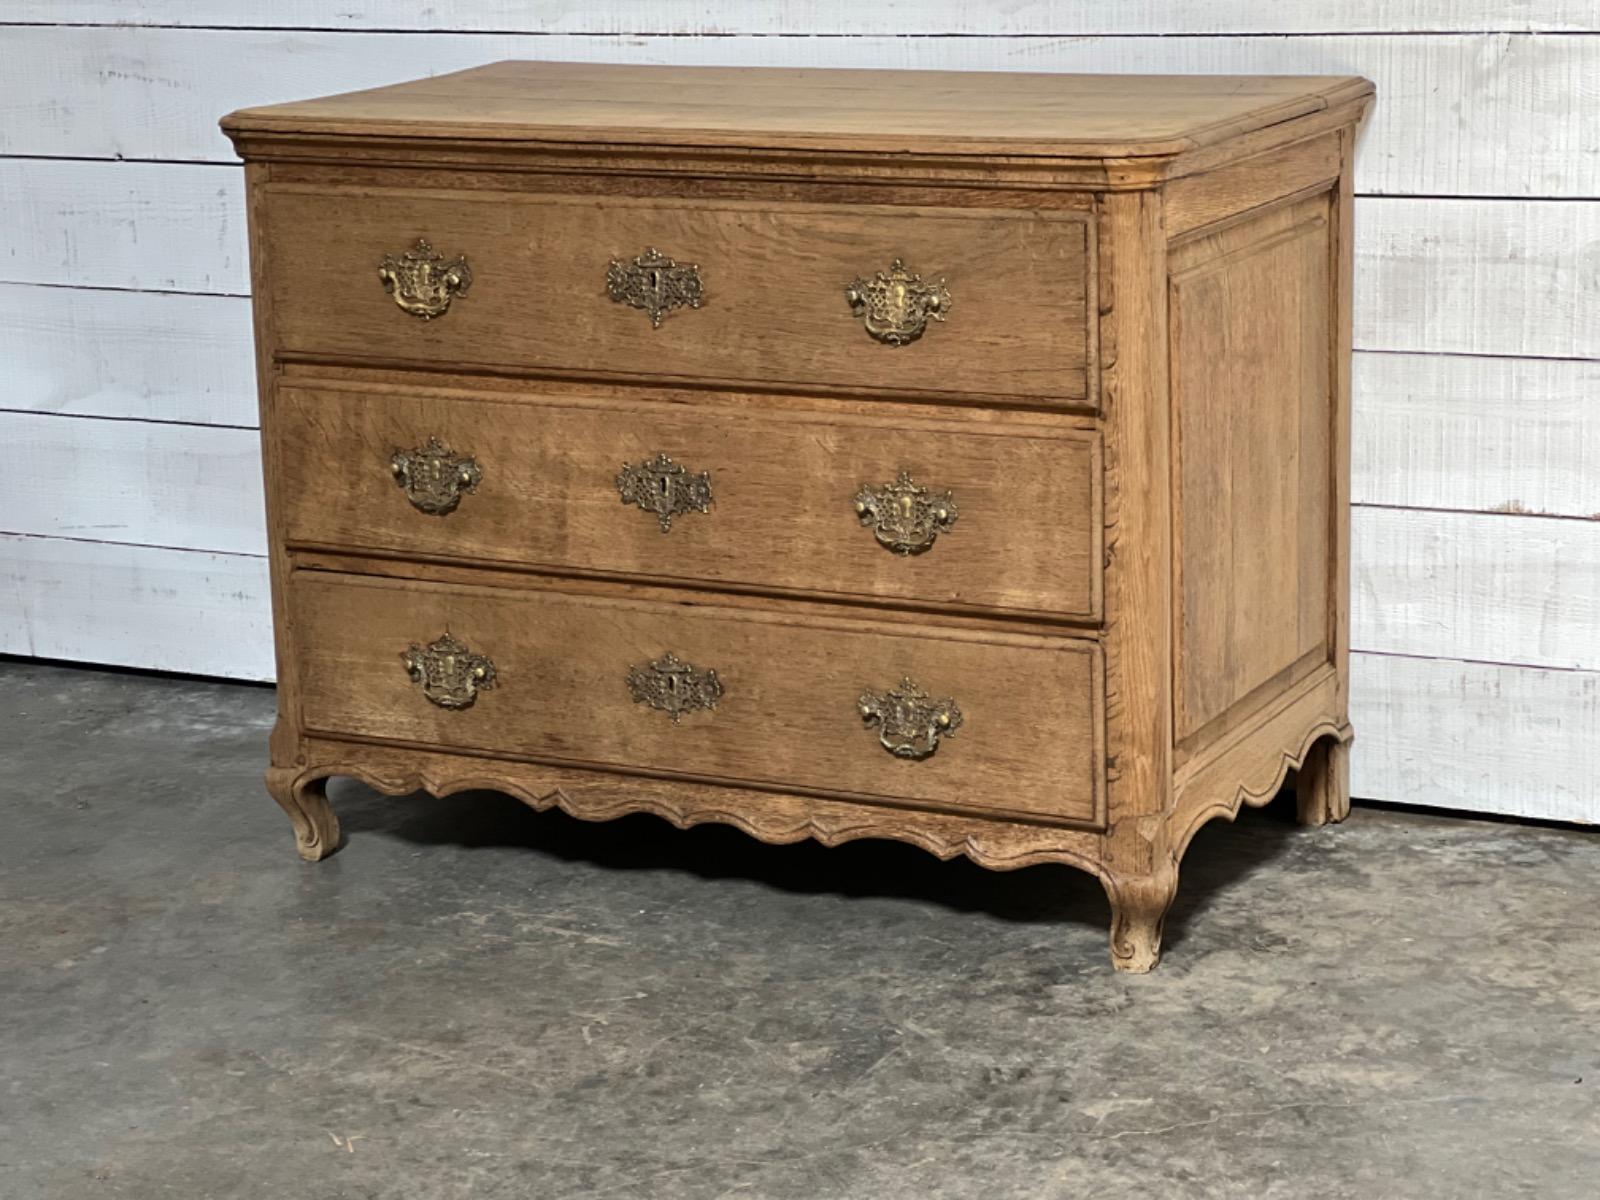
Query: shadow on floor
point(1222, 856)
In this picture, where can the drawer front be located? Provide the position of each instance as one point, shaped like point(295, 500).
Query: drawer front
point(798, 502)
point(1021, 729)
point(773, 304)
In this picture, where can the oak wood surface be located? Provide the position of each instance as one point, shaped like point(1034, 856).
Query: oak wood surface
point(774, 308)
point(976, 112)
point(781, 517)
point(1140, 400)
point(1028, 745)
point(1251, 311)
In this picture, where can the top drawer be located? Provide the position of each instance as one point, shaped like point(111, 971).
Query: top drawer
point(773, 281)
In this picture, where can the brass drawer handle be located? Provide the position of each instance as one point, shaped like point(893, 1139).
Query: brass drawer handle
point(897, 304)
point(433, 477)
point(451, 675)
point(422, 281)
point(673, 686)
point(905, 518)
point(665, 488)
point(654, 283)
point(910, 722)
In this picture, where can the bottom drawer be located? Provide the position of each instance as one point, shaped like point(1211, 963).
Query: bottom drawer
point(584, 679)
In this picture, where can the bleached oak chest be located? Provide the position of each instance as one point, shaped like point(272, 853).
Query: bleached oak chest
point(955, 458)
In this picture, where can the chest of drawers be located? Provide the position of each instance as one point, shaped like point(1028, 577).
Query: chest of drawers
point(947, 457)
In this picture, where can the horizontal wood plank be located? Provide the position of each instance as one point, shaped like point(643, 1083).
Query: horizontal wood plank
point(1521, 741)
point(1491, 588)
point(146, 355)
point(136, 606)
point(1477, 434)
point(187, 486)
point(886, 17)
point(1471, 114)
point(1501, 277)
point(147, 226)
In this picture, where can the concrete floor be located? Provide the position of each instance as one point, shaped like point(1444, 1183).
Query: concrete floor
point(473, 1000)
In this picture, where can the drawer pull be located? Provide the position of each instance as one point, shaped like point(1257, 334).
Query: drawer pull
point(905, 518)
point(665, 488)
point(422, 281)
point(451, 675)
point(673, 686)
point(896, 305)
point(910, 722)
point(654, 283)
point(433, 477)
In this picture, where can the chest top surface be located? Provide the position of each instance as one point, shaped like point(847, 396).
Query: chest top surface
point(951, 112)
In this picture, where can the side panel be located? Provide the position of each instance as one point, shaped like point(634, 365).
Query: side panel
point(1251, 316)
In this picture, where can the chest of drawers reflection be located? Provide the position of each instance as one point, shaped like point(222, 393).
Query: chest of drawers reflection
point(953, 458)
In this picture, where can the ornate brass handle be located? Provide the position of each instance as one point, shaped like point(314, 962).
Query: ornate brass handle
point(422, 281)
point(673, 686)
point(896, 305)
point(910, 722)
point(433, 477)
point(654, 283)
point(903, 517)
point(665, 488)
point(451, 675)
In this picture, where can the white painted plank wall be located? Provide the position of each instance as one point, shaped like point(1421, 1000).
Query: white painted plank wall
point(125, 338)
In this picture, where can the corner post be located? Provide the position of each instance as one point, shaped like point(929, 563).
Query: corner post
point(1139, 867)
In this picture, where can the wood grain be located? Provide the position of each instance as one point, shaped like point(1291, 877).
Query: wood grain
point(774, 309)
point(1252, 380)
point(788, 716)
point(782, 517)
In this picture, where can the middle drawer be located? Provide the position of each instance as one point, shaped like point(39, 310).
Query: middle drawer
point(952, 514)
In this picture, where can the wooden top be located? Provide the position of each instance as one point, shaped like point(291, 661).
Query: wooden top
point(943, 112)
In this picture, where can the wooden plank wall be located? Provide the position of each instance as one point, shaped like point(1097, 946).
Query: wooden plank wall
point(130, 528)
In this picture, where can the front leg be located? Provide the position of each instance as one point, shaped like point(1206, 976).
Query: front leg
point(1322, 788)
point(1139, 905)
point(316, 829)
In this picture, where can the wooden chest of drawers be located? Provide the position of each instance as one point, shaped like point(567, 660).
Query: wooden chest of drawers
point(955, 458)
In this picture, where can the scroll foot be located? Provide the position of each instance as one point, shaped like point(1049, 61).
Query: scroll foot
point(316, 829)
point(1139, 907)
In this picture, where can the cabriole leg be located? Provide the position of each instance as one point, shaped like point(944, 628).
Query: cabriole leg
point(316, 829)
point(1139, 907)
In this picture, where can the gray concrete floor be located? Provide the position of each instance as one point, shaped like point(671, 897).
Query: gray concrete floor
point(474, 1000)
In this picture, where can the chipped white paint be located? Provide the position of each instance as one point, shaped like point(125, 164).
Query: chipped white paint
point(1477, 736)
point(1512, 435)
point(194, 487)
point(136, 606)
point(148, 355)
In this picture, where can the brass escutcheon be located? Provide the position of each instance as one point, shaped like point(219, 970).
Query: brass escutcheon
point(910, 722)
point(434, 477)
point(896, 305)
point(655, 283)
point(905, 518)
point(422, 281)
point(673, 686)
point(665, 488)
point(451, 675)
